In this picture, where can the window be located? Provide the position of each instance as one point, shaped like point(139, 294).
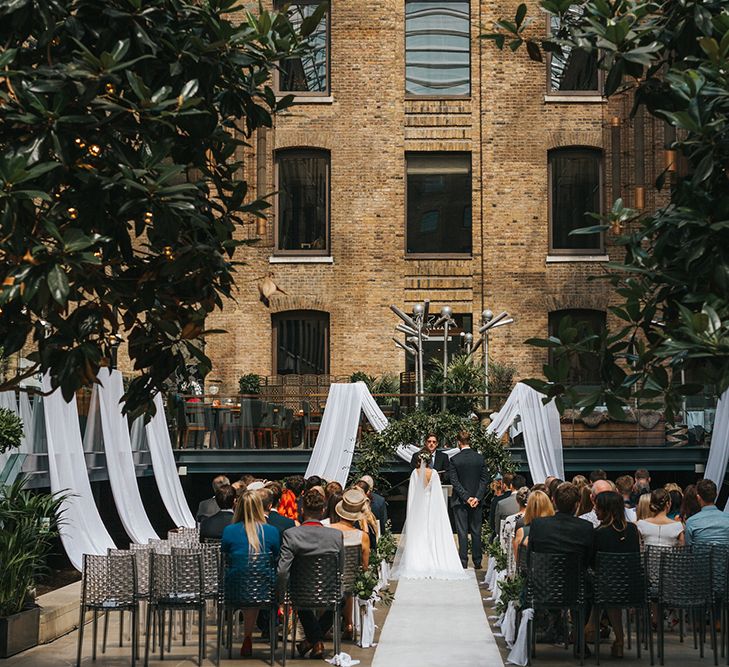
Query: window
point(584, 369)
point(302, 203)
point(575, 190)
point(307, 74)
point(438, 203)
point(573, 71)
point(301, 342)
point(437, 48)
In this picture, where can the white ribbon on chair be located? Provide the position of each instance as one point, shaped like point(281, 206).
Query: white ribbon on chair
point(519, 654)
point(365, 613)
point(490, 578)
point(508, 625)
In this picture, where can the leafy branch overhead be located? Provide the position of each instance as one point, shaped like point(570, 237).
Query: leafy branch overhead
point(672, 286)
point(121, 192)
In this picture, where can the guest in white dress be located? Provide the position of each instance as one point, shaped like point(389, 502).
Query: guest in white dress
point(659, 530)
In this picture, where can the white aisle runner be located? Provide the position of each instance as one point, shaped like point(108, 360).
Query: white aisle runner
point(436, 623)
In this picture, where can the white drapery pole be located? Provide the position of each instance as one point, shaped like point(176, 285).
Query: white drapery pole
point(119, 460)
point(82, 530)
point(165, 468)
point(542, 433)
point(719, 451)
point(331, 458)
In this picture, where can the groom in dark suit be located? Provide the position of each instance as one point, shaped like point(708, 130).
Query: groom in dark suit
point(438, 459)
point(469, 477)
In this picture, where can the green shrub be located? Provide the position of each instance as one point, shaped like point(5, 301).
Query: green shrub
point(249, 384)
point(11, 430)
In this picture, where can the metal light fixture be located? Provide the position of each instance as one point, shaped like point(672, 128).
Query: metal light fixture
point(446, 320)
point(489, 322)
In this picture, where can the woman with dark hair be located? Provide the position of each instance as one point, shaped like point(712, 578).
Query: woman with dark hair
point(248, 534)
point(676, 499)
point(585, 505)
point(331, 511)
point(615, 534)
point(690, 503)
point(659, 530)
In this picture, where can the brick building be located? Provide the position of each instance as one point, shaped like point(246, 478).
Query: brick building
point(420, 162)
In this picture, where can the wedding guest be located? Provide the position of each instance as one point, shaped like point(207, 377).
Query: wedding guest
point(642, 484)
point(209, 506)
point(509, 527)
point(676, 500)
point(643, 508)
point(510, 505)
point(293, 488)
point(552, 488)
point(350, 510)
point(270, 497)
point(659, 530)
point(597, 475)
point(615, 534)
point(502, 489)
point(585, 505)
point(690, 503)
point(377, 502)
point(624, 485)
point(580, 481)
point(563, 533)
point(212, 527)
point(538, 505)
point(331, 509)
point(598, 486)
point(333, 487)
point(249, 534)
point(710, 525)
point(310, 539)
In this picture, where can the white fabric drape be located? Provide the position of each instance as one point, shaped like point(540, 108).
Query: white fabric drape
point(106, 404)
point(26, 414)
point(7, 401)
point(165, 468)
point(331, 458)
point(542, 433)
point(719, 451)
point(365, 621)
point(82, 530)
point(519, 654)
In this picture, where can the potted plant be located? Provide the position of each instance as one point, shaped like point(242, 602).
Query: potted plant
point(249, 384)
point(28, 529)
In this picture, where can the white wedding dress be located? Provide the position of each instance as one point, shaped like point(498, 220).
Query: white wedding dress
point(427, 549)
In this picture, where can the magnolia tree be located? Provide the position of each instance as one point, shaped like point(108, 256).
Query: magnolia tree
point(120, 181)
point(673, 285)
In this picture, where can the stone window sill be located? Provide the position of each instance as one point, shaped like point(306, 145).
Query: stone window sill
point(575, 99)
point(300, 259)
point(562, 259)
point(311, 99)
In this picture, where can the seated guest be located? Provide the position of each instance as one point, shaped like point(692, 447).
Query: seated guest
point(313, 482)
point(690, 503)
point(508, 506)
point(249, 534)
point(332, 487)
point(289, 505)
point(552, 488)
point(310, 539)
point(615, 534)
point(538, 505)
point(350, 509)
point(212, 527)
point(242, 484)
point(580, 481)
point(501, 489)
point(597, 475)
point(563, 533)
point(585, 505)
point(331, 510)
point(209, 506)
point(378, 503)
point(509, 527)
point(710, 525)
point(270, 497)
point(659, 530)
point(643, 507)
point(642, 484)
point(624, 485)
point(676, 499)
point(598, 486)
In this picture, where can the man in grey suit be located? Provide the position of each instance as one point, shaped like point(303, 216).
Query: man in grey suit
point(508, 506)
point(310, 539)
point(210, 506)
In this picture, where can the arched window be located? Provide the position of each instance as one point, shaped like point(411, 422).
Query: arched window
point(584, 369)
point(300, 342)
point(575, 190)
point(302, 202)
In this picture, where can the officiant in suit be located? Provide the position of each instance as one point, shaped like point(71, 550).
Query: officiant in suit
point(470, 478)
point(438, 459)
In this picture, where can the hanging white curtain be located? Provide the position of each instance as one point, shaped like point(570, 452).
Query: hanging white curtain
point(331, 458)
point(82, 530)
point(542, 433)
point(719, 451)
point(26, 414)
point(165, 468)
point(7, 401)
point(107, 406)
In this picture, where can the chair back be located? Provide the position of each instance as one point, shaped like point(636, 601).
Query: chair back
point(109, 582)
point(620, 580)
point(142, 556)
point(315, 581)
point(684, 580)
point(177, 579)
point(248, 584)
point(555, 581)
point(352, 566)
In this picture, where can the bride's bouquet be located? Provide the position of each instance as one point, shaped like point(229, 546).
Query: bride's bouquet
point(424, 456)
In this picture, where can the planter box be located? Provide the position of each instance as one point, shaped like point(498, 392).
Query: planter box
point(19, 632)
point(612, 433)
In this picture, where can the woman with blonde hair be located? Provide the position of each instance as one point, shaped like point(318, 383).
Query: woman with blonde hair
point(248, 534)
point(643, 508)
point(580, 481)
point(538, 505)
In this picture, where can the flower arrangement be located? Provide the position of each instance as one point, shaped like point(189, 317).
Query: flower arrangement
point(511, 591)
point(365, 586)
point(498, 554)
point(424, 456)
point(386, 544)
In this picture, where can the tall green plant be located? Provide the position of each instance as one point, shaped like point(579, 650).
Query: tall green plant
point(11, 430)
point(465, 376)
point(29, 524)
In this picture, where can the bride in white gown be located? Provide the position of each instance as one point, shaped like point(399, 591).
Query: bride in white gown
point(427, 549)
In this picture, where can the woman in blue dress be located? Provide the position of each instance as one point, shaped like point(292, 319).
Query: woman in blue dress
point(248, 534)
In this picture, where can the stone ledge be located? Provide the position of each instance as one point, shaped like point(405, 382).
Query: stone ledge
point(59, 612)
